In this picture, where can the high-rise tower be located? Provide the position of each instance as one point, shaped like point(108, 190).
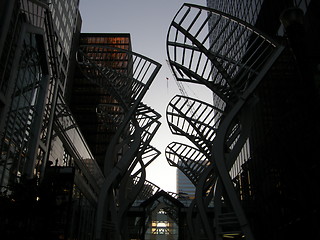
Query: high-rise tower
point(90, 102)
point(46, 169)
point(267, 181)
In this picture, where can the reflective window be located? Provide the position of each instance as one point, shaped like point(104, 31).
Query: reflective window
point(23, 114)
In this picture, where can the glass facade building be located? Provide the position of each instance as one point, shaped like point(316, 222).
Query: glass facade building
point(278, 167)
point(184, 186)
point(56, 124)
point(66, 97)
point(28, 97)
point(49, 178)
point(90, 102)
point(65, 21)
point(260, 60)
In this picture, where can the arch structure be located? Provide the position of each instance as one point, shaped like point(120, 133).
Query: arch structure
point(230, 57)
point(126, 79)
point(161, 216)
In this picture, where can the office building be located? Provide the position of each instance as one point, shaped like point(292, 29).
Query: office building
point(49, 178)
point(66, 20)
point(90, 102)
point(281, 167)
point(260, 60)
point(57, 117)
point(110, 88)
point(185, 188)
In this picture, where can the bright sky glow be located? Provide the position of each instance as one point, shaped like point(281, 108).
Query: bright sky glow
point(148, 22)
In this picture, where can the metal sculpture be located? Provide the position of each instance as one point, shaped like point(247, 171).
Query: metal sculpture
point(198, 125)
point(188, 159)
point(127, 82)
point(34, 97)
point(230, 57)
point(140, 222)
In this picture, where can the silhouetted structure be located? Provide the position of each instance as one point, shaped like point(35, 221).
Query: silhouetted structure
point(90, 102)
point(81, 174)
point(282, 168)
point(260, 167)
point(50, 179)
point(125, 76)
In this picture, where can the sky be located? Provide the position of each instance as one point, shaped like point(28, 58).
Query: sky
point(148, 22)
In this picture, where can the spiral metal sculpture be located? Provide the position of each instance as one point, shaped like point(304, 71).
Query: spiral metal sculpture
point(127, 81)
point(230, 57)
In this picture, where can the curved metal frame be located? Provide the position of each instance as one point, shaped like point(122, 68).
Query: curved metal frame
point(230, 58)
point(127, 82)
point(226, 59)
point(187, 159)
point(198, 125)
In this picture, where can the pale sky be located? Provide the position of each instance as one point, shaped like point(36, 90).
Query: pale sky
point(148, 22)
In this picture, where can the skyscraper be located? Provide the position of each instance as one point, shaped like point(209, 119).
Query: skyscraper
point(273, 195)
point(95, 110)
point(52, 169)
point(184, 186)
point(65, 20)
point(262, 73)
point(49, 178)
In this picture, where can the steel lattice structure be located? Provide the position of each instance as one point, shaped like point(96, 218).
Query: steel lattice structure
point(230, 57)
point(38, 105)
point(127, 82)
point(188, 159)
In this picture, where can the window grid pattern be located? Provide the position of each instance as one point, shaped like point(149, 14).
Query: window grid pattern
point(18, 135)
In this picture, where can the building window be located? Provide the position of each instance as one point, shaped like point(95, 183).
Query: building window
point(19, 138)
